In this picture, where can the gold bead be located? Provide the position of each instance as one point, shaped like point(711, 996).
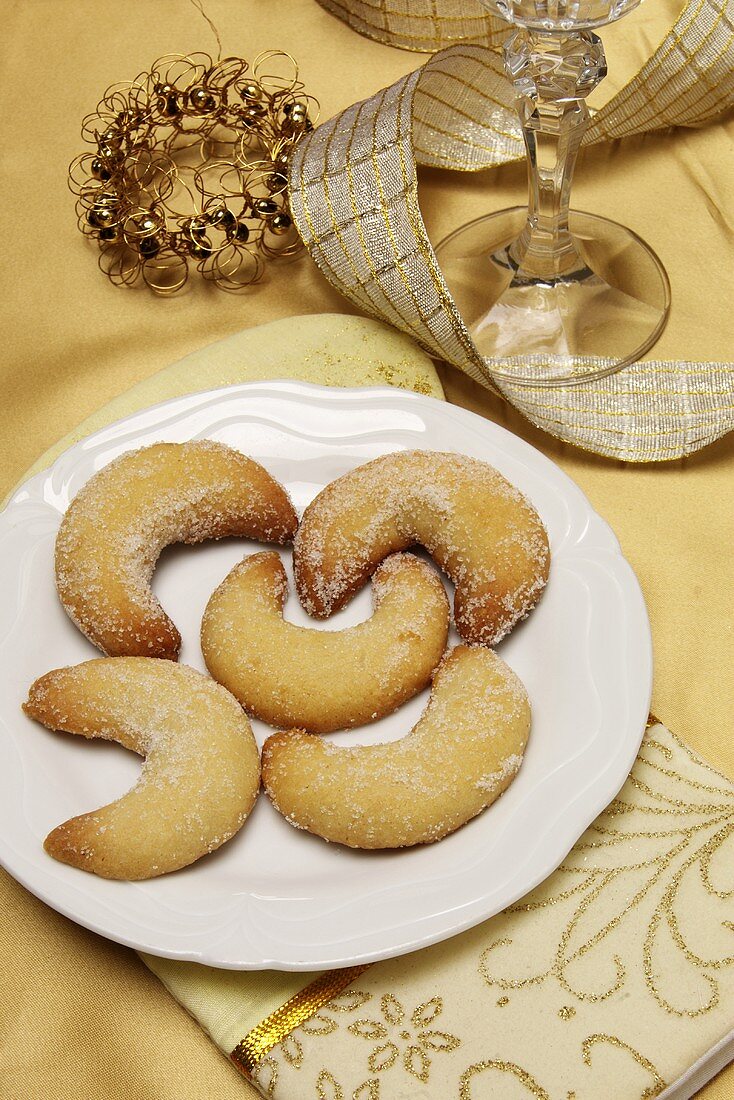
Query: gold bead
point(275, 181)
point(201, 250)
point(279, 224)
point(110, 234)
point(149, 247)
point(222, 218)
point(251, 91)
point(200, 100)
point(100, 171)
point(294, 125)
point(295, 116)
point(111, 137)
point(100, 216)
point(195, 230)
point(242, 233)
point(265, 206)
point(146, 224)
point(106, 151)
point(167, 101)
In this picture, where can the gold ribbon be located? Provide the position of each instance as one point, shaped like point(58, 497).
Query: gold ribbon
point(301, 1007)
point(354, 200)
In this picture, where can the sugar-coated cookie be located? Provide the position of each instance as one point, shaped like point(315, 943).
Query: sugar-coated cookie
point(323, 680)
point(478, 527)
point(201, 773)
point(464, 751)
point(115, 528)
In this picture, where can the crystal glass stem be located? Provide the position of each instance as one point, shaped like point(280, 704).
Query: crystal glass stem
point(552, 75)
point(552, 296)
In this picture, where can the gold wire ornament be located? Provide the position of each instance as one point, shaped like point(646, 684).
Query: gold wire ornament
point(189, 166)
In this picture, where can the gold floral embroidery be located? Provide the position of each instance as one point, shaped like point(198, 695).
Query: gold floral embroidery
point(368, 1090)
point(649, 1093)
point(695, 820)
point(533, 1086)
point(320, 1024)
point(504, 1067)
point(394, 1030)
point(292, 1051)
point(265, 1076)
point(640, 868)
point(665, 913)
point(348, 1001)
point(327, 1087)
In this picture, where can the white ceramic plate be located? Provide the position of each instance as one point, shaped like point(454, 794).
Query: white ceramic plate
point(276, 897)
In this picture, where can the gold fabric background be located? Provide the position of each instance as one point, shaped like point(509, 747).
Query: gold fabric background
point(82, 1017)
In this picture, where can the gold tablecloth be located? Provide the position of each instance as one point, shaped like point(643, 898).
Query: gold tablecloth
point(82, 1017)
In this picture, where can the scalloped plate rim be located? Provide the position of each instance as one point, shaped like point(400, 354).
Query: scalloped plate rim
point(602, 543)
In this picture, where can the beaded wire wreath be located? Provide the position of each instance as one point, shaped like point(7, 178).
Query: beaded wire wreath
point(189, 166)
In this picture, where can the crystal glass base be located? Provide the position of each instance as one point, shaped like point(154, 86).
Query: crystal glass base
point(601, 314)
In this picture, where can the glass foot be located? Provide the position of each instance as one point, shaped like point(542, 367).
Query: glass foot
point(591, 321)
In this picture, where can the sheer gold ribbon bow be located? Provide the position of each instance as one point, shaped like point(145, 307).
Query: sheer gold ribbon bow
point(353, 188)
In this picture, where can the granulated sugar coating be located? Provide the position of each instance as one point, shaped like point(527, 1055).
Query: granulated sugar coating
point(462, 754)
point(115, 529)
point(201, 773)
point(478, 527)
point(323, 680)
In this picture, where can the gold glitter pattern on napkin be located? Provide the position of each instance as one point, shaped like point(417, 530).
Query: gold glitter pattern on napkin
point(607, 981)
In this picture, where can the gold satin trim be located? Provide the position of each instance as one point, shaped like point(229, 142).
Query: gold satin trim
point(279, 1024)
point(354, 198)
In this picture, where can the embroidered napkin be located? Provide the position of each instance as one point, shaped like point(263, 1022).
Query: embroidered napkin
point(614, 979)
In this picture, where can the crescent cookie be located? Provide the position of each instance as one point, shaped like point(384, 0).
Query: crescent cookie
point(201, 773)
point(478, 527)
point(462, 754)
point(322, 680)
point(118, 524)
